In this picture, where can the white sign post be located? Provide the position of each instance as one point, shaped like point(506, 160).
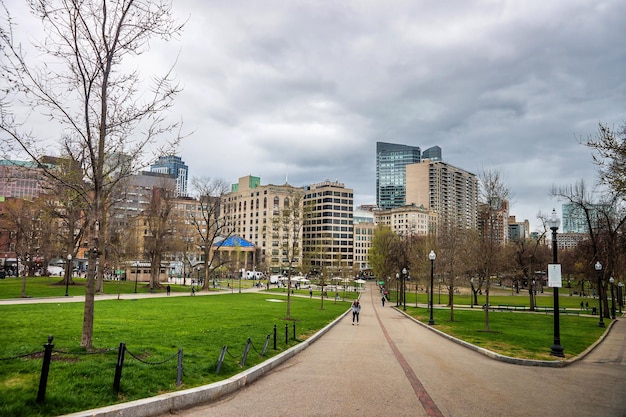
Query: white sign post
point(554, 276)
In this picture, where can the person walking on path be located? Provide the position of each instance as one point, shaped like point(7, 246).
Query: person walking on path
point(168, 289)
point(356, 309)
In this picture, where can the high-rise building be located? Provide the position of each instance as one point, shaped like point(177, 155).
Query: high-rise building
point(451, 192)
point(391, 160)
point(174, 166)
point(575, 218)
point(328, 235)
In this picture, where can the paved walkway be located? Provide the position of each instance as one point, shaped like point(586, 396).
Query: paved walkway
point(391, 365)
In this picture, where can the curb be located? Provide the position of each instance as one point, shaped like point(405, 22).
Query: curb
point(180, 400)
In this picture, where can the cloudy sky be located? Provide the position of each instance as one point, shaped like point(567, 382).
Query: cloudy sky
point(303, 90)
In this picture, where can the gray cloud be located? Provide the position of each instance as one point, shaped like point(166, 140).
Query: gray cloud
point(303, 89)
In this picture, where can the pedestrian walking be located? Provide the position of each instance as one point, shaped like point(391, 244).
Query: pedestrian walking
point(193, 291)
point(168, 289)
point(383, 300)
point(310, 293)
point(356, 309)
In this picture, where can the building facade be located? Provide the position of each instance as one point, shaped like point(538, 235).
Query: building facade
point(328, 233)
point(364, 228)
point(254, 210)
point(391, 160)
point(409, 220)
point(174, 166)
point(450, 192)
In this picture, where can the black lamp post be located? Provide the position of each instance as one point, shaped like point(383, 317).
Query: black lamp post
point(68, 273)
point(432, 257)
point(136, 275)
point(620, 296)
point(472, 292)
point(599, 274)
point(556, 349)
point(397, 288)
point(612, 281)
point(404, 288)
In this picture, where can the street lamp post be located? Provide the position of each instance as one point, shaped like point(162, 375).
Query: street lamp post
point(432, 257)
point(556, 349)
point(136, 275)
point(472, 292)
point(598, 267)
point(612, 281)
point(620, 296)
point(68, 273)
point(397, 288)
point(404, 288)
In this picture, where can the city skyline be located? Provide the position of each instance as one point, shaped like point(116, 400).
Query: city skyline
point(303, 91)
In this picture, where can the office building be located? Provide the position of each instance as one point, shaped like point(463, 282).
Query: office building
point(328, 235)
point(391, 160)
point(174, 166)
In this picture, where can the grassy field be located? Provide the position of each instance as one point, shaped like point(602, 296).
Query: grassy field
point(154, 329)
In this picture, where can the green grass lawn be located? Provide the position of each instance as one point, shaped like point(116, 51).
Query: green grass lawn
point(154, 329)
point(517, 334)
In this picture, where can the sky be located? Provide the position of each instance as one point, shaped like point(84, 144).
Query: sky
point(301, 91)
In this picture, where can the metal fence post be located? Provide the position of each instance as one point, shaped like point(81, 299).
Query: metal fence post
point(294, 330)
point(118, 367)
point(179, 373)
point(274, 337)
point(245, 352)
point(267, 341)
point(45, 369)
point(221, 359)
point(286, 334)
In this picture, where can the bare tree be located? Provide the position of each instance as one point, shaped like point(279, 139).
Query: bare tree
point(493, 194)
point(208, 223)
point(287, 229)
point(80, 82)
point(161, 227)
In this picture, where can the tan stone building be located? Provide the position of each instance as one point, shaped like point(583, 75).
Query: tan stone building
point(254, 211)
point(451, 192)
point(407, 220)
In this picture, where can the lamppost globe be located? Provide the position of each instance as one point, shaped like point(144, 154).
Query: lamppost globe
point(598, 267)
point(432, 257)
point(554, 221)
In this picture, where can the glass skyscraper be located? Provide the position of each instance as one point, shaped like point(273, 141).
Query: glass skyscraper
point(174, 166)
point(391, 160)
